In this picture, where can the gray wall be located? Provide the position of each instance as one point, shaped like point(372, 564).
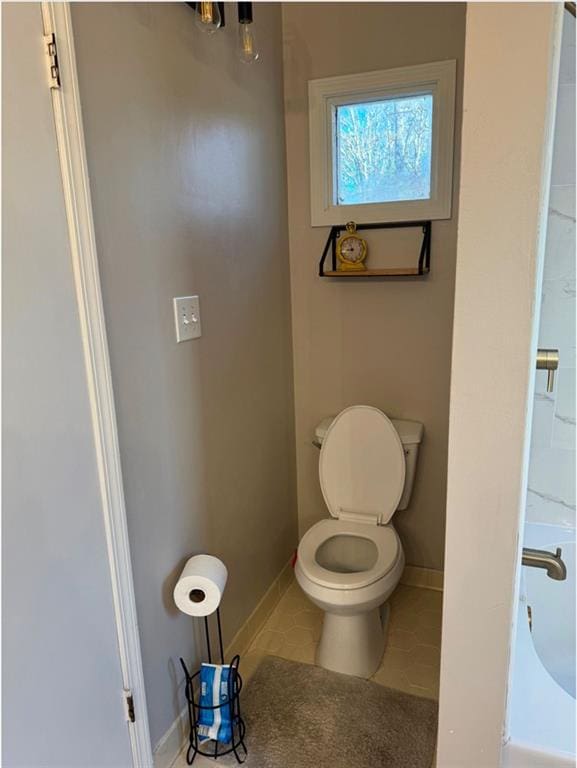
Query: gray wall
point(383, 343)
point(61, 681)
point(187, 162)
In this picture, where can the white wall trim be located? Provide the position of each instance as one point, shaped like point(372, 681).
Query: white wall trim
point(72, 153)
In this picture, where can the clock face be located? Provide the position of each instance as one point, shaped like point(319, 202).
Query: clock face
point(351, 249)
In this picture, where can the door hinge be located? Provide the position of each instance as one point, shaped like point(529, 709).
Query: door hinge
point(129, 699)
point(53, 67)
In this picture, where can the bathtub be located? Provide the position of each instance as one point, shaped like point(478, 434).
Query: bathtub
point(542, 699)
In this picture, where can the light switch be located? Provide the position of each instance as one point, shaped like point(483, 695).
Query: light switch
point(187, 318)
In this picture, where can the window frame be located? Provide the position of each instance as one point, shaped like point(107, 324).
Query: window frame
point(326, 94)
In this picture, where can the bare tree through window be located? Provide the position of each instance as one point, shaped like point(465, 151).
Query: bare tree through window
point(383, 150)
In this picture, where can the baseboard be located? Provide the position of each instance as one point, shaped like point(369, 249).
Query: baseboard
point(415, 576)
point(240, 643)
point(175, 738)
point(171, 744)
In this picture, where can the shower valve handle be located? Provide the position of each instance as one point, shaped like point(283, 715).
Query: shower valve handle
point(548, 360)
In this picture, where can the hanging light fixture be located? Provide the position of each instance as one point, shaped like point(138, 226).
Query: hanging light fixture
point(247, 50)
point(208, 16)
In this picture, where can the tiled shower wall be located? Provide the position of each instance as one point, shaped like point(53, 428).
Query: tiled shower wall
point(551, 492)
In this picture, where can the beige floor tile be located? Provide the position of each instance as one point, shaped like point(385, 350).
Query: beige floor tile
point(268, 640)
point(430, 619)
point(405, 619)
point(395, 658)
point(199, 761)
point(401, 638)
point(294, 591)
point(292, 603)
point(426, 693)
point(425, 654)
point(431, 599)
point(308, 619)
point(281, 621)
point(299, 636)
point(303, 653)
point(422, 675)
point(429, 636)
point(180, 761)
point(392, 678)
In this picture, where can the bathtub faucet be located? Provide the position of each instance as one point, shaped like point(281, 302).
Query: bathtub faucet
point(540, 558)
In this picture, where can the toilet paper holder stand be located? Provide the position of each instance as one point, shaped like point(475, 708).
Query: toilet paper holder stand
point(232, 703)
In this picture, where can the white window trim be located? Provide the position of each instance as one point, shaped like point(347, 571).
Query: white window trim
point(437, 78)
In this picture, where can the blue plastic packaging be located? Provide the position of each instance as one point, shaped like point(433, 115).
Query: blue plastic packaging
point(215, 723)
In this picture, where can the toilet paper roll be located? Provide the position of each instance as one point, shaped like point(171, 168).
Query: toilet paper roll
point(199, 590)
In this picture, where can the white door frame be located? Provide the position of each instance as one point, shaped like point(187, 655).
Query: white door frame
point(72, 152)
point(511, 71)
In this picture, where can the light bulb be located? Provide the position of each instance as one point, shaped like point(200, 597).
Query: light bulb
point(247, 49)
point(207, 17)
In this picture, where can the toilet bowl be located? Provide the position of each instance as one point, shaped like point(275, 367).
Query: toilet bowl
point(348, 565)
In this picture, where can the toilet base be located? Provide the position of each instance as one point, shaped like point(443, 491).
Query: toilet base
point(352, 645)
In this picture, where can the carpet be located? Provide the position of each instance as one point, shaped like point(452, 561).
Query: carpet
point(303, 716)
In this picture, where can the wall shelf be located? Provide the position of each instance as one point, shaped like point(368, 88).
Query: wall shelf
point(422, 268)
point(400, 272)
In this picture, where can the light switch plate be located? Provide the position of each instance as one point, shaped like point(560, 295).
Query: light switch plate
point(187, 318)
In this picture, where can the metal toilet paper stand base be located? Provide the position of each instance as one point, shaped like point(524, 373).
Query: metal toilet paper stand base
point(209, 748)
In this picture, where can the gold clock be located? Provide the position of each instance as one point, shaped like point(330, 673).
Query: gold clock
point(351, 250)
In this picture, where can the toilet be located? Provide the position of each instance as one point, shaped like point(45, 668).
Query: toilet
point(349, 564)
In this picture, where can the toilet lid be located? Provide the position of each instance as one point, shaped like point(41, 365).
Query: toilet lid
point(362, 465)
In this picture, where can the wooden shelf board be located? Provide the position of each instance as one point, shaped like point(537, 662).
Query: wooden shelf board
point(398, 272)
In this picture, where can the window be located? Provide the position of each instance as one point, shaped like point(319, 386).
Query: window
point(381, 145)
point(383, 150)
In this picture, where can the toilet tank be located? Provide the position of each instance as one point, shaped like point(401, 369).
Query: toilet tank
point(411, 434)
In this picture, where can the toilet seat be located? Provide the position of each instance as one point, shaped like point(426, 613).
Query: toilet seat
point(384, 537)
point(362, 466)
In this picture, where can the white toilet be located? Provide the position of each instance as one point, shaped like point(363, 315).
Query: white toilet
point(349, 565)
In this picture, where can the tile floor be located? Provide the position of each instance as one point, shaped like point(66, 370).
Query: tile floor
point(412, 657)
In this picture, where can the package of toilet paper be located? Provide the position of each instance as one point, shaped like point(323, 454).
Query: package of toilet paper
point(214, 689)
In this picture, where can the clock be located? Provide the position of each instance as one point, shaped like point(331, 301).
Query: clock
point(351, 250)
